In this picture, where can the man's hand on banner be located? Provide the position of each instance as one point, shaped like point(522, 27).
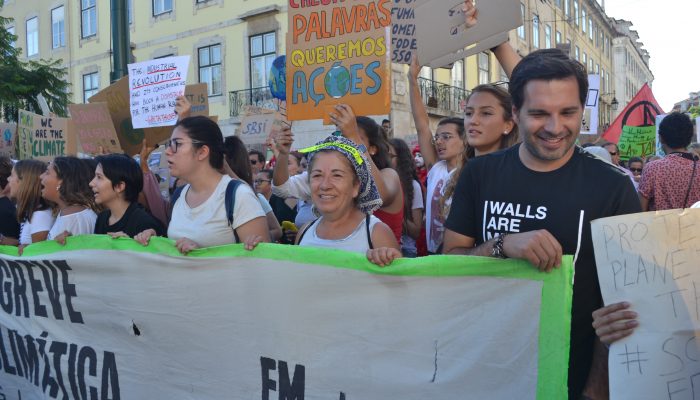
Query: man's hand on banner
point(614, 321)
point(539, 247)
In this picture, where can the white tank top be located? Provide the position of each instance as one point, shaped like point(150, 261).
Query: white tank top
point(357, 241)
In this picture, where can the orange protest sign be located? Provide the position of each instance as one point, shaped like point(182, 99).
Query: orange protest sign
point(338, 53)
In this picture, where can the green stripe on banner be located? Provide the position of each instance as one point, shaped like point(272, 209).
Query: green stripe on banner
point(557, 288)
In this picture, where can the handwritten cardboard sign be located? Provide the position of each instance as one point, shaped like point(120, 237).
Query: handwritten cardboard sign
point(652, 261)
point(94, 128)
point(198, 96)
point(43, 138)
point(441, 28)
point(259, 124)
point(637, 141)
point(338, 53)
point(403, 31)
point(8, 139)
point(153, 86)
point(117, 98)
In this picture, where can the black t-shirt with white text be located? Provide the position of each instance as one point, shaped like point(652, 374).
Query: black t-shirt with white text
point(497, 193)
point(8, 218)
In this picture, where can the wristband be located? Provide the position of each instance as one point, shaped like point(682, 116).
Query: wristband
point(497, 249)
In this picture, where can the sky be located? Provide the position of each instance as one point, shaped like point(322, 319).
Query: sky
point(669, 32)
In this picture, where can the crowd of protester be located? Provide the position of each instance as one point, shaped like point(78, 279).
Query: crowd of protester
point(364, 191)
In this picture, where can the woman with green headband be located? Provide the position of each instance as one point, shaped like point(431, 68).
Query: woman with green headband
point(344, 194)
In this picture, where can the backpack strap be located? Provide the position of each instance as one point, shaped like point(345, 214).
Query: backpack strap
point(306, 229)
point(230, 203)
point(176, 195)
point(369, 234)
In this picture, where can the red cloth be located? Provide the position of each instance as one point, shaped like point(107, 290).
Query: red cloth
point(395, 222)
point(639, 114)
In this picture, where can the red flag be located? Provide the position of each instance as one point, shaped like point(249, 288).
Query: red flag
point(641, 111)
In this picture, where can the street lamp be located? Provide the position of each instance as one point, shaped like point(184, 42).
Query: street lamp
point(614, 103)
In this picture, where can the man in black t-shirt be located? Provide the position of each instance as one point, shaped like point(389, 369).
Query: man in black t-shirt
point(535, 201)
point(9, 227)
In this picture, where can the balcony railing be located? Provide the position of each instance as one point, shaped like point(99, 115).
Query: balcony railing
point(442, 96)
point(259, 97)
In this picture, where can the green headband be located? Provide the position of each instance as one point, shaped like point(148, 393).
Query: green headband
point(350, 149)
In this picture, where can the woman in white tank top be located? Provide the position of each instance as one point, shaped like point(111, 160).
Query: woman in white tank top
point(344, 194)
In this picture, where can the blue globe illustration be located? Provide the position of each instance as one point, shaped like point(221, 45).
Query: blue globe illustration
point(337, 81)
point(277, 79)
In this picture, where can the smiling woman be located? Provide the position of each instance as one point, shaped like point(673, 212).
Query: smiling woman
point(117, 183)
point(343, 192)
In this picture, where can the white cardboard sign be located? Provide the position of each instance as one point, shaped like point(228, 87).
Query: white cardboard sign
point(153, 87)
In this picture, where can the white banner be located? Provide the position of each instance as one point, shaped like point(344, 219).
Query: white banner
point(589, 123)
point(153, 87)
point(135, 325)
point(652, 260)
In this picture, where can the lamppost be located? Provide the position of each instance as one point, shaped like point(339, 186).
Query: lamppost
point(613, 106)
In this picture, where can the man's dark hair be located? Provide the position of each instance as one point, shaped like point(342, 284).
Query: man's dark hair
point(635, 159)
point(676, 130)
point(546, 65)
point(261, 156)
point(384, 121)
point(122, 168)
point(5, 170)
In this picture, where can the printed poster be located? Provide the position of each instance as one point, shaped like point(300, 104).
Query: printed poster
point(338, 53)
point(153, 87)
point(8, 139)
point(589, 122)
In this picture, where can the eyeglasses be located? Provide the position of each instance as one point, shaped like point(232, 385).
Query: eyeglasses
point(636, 169)
point(260, 181)
point(175, 144)
point(253, 161)
point(444, 136)
point(613, 153)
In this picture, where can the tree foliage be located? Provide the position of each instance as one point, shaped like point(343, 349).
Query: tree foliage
point(22, 81)
point(694, 112)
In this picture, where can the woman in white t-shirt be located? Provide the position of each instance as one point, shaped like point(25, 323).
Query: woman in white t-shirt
point(66, 182)
point(195, 153)
point(34, 214)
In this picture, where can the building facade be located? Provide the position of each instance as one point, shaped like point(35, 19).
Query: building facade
point(631, 63)
point(233, 42)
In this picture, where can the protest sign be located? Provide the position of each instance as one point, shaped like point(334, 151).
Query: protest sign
point(338, 53)
point(403, 31)
point(146, 322)
point(652, 261)
point(697, 129)
point(441, 28)
point(117, 98)
point(637, 141)
point(589, 122)
point(153, 87)
point(198, 96)
point(94, 128)
point(43, 138)
point(8, 139)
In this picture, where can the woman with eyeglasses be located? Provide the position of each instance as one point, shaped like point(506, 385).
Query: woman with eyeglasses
point(195, 153)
